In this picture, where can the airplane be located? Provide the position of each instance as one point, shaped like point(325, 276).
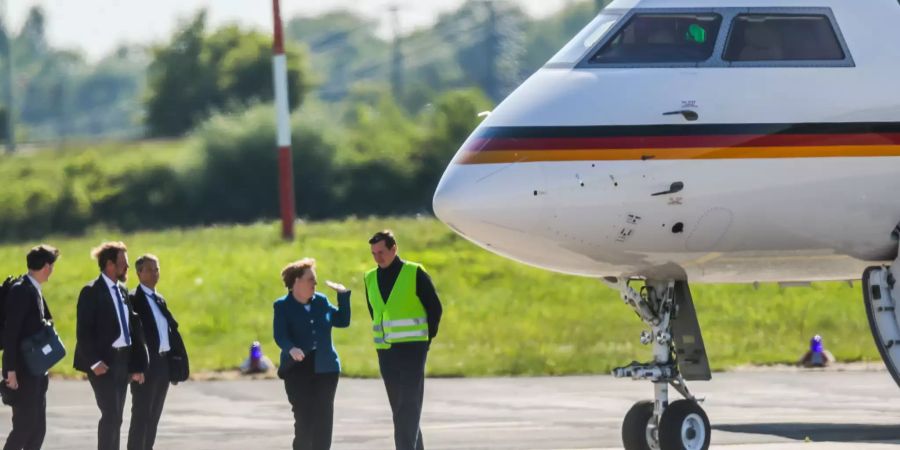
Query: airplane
point(707, 141)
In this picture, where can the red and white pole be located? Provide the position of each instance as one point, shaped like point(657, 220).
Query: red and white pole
point(282, 112)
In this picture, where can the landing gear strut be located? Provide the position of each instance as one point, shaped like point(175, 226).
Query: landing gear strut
point(678, 355)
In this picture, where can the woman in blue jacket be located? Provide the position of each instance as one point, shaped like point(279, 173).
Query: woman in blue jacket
point(309, 363)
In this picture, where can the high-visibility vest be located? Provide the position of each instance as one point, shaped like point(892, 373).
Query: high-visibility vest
point(402, 318)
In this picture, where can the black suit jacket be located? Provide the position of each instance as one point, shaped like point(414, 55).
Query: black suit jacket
point(141, 305)
point(97, 327)
point(23, 319)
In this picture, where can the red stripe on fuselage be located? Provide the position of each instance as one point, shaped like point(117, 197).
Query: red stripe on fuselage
point(651, 142)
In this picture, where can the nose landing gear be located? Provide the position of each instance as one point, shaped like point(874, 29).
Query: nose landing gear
point(678, 355)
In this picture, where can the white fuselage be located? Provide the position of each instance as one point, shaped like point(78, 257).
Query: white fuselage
point(817, 210)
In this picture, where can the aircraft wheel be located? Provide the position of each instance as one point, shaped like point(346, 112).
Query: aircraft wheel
point(636, 433)
point(684, 426)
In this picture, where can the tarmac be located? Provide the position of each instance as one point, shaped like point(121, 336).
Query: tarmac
point(755, 409)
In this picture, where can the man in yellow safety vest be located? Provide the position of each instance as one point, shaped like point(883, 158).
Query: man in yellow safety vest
point(405, 312)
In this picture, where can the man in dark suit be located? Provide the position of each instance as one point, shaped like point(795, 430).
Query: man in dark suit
point(26, 310)
point(110, 342)
point(163, 341)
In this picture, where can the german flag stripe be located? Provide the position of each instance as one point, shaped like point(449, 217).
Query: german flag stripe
point(520, 144)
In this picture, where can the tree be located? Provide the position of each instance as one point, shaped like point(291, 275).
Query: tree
point(180, 83)
point(242, 69)
point(197, 73)
point(31, 44)
point(107, 95)
point(59, 94)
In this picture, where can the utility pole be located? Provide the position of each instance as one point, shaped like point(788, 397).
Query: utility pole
point(282, 114)
point(493, 53)
point(6, 44)
point(396, 57)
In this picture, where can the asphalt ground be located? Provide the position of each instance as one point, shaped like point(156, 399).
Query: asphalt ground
point(764, 409)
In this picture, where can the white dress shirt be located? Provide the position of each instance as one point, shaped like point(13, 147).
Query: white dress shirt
point(113, 287)
point(162, 325)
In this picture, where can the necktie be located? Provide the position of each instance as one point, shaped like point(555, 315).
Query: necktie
point(122, 318)
point(161, 304)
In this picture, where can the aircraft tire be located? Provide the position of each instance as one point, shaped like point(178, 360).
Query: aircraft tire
point(684, 426)
point(634, 427)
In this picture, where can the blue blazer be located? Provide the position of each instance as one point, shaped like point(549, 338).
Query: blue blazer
point(293, 326)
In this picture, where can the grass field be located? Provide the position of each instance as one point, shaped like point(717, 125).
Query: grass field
point(500, 317)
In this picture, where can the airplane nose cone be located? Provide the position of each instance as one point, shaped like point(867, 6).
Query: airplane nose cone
point(448, 200)
point(479, 200)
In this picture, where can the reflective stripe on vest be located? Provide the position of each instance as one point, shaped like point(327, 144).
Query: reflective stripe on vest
point(402, 318)
point(393, 337)
point(399, 323)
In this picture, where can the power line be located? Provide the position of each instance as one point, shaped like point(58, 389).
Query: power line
point(480, 25)
point(438, 41)
point(425, 51)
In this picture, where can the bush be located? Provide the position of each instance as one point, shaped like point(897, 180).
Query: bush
point(366, 158)
point(49, 191)
point(376, 165)
point(238, 178)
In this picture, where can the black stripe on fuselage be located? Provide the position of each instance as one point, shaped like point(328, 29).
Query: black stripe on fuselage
point(689, 130)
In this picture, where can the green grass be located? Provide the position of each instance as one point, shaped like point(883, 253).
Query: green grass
point(500, 317)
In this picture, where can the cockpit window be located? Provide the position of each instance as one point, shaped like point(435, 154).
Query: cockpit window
point(662, 38)
point(782, 37)
point(585, 40)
